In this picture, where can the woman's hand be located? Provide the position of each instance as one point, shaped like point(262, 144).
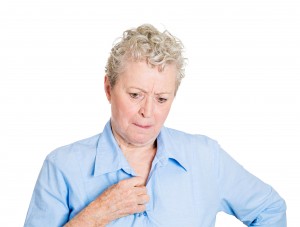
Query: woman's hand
point(124, 198)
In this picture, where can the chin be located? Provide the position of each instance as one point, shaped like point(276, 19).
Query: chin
point(140, 141)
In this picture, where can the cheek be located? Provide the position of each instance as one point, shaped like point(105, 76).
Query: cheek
point(123, 109)
point(162, 113)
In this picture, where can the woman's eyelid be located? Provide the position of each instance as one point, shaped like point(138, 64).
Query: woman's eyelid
point(136, 95)
point(161, 99)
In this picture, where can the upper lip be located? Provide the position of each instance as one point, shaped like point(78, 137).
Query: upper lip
point(143, 125)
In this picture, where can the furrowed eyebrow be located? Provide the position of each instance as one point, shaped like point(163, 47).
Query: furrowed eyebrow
point(163, 93)
point(138, 89)
point(159, 93)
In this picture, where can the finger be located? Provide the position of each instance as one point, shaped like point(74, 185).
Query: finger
point(143, 199)
point(132, 210)
point(133, 181)
point(140, 208)
point(141, 190)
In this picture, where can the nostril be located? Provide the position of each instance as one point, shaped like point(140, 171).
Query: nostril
point(141, 111)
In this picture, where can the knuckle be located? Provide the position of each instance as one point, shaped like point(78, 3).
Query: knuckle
point(130, 203)
point(132, 209)
point(147, 198)
point(128, 192)
point(145, 190)
point(141, 208)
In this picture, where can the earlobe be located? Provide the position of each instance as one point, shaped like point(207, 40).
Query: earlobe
point(107, 88)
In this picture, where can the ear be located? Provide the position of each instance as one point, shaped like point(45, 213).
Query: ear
point(107, 88)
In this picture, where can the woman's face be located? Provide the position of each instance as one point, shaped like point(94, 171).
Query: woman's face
point(140, 102)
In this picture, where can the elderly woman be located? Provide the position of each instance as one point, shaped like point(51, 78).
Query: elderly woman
point(138, 172)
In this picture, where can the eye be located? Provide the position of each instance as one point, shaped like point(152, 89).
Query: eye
point(161, 100)
point(135, 95)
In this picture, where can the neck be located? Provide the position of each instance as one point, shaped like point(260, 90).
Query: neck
point(131, 150)
point(139, 157)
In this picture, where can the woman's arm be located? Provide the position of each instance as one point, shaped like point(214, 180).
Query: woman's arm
point(246, 197)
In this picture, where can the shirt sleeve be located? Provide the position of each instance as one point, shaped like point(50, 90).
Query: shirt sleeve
point(246, 197)
point(48, 206)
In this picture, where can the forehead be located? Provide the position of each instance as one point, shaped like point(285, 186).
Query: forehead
point(142, 75)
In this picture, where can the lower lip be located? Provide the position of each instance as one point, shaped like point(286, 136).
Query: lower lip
point(143, 127)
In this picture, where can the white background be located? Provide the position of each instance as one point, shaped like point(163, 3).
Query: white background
point(241, 88)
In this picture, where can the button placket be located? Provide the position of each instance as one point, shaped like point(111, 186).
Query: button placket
point(142, 214)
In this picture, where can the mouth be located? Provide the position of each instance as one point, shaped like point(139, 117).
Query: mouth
point(142, 126)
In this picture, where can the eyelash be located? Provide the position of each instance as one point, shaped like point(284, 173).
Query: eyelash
point(134, 95)
point(161, 100)
point(137, 96)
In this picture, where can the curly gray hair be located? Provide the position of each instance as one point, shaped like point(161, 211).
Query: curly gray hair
point(146, 43)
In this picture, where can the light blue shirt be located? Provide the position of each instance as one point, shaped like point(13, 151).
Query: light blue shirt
point(190, 181)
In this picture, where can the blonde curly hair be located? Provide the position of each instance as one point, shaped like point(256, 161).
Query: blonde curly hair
point(146, 43)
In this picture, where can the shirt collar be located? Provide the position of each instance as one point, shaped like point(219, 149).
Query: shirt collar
point(110, 158)
point(167, 149)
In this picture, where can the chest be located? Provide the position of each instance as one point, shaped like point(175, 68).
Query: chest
point(182, 197)
point(177, 197)
point(142, 165)
point(175, 201)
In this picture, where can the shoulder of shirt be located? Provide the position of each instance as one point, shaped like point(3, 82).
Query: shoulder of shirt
point(191, 149)
point(75, 149)
point(181, 138)
point(188, 136)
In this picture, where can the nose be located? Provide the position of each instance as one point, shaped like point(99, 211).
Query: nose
point(147, 107)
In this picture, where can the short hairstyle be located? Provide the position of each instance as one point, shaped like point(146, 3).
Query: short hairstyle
point(146, 43)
